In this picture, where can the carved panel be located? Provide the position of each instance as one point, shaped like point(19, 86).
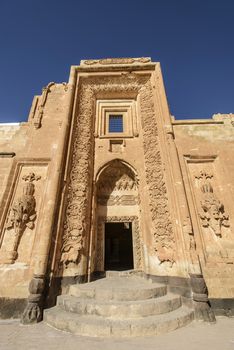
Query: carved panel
point(162, 224)
point(116, 177)
point(118, 200)
point(212, 218)
point(213, 214)
point(79, 190)
point(22, 214)
point(117, 146)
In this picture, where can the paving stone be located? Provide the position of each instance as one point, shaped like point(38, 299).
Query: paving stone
point(197, 335)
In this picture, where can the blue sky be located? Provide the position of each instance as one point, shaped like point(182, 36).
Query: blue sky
point(193, 40)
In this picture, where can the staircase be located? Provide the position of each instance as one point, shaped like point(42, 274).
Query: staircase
point(118, 306)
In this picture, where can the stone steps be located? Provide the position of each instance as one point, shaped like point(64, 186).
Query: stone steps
point(97, 326)
point(120, 306)
point(133, 288)
point(117, 309)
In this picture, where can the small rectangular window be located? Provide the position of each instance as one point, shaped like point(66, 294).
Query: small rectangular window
point(116, 123)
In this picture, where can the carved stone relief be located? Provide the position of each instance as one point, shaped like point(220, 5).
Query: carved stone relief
point(162, 224)
point(79, 189)
point(137, 244)
point(118, 200)
point(77, 213)
point(22, 213)
point(213, 214)
point(117, 177)
point(214, 219)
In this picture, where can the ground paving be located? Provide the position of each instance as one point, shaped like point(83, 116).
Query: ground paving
point(202, 336)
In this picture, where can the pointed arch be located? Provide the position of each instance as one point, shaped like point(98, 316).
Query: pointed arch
point(114, 162)
point(116, 175)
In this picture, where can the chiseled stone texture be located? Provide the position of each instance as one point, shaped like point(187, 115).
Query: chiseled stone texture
point(64, 175)
point(208, 146)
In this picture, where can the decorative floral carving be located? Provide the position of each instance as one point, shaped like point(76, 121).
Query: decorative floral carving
point(79, 190)
point(22, 212)
point(213, 214)
point(137, 245)
point(163, 233)
point(77, 215)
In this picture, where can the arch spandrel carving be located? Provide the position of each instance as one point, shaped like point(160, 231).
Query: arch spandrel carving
point(116, 177)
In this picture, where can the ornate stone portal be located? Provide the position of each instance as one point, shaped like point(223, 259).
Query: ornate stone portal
point(116, 193)
point(78, 208)
point(109, 152)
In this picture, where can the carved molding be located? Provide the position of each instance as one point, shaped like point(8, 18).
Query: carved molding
point(118, 200)
point(7, 154)
point(189, 235)
point(137, 248)
point(110, 61)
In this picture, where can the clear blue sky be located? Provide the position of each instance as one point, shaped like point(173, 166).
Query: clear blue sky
point(193, 40)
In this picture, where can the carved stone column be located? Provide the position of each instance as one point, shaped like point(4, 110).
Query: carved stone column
point(33, 311)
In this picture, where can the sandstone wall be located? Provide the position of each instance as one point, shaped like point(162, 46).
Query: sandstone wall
point(27, 153)
point(206, 149)
point(178, 179)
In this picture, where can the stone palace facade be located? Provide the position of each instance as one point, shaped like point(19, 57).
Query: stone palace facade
point(102, 177)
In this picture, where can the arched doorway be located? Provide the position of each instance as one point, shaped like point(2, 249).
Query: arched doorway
point(117, 243)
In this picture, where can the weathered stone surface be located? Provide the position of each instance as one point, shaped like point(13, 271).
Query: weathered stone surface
point(66, 176)
point(127, 310)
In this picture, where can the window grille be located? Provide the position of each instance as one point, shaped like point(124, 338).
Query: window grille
point(115, 123)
